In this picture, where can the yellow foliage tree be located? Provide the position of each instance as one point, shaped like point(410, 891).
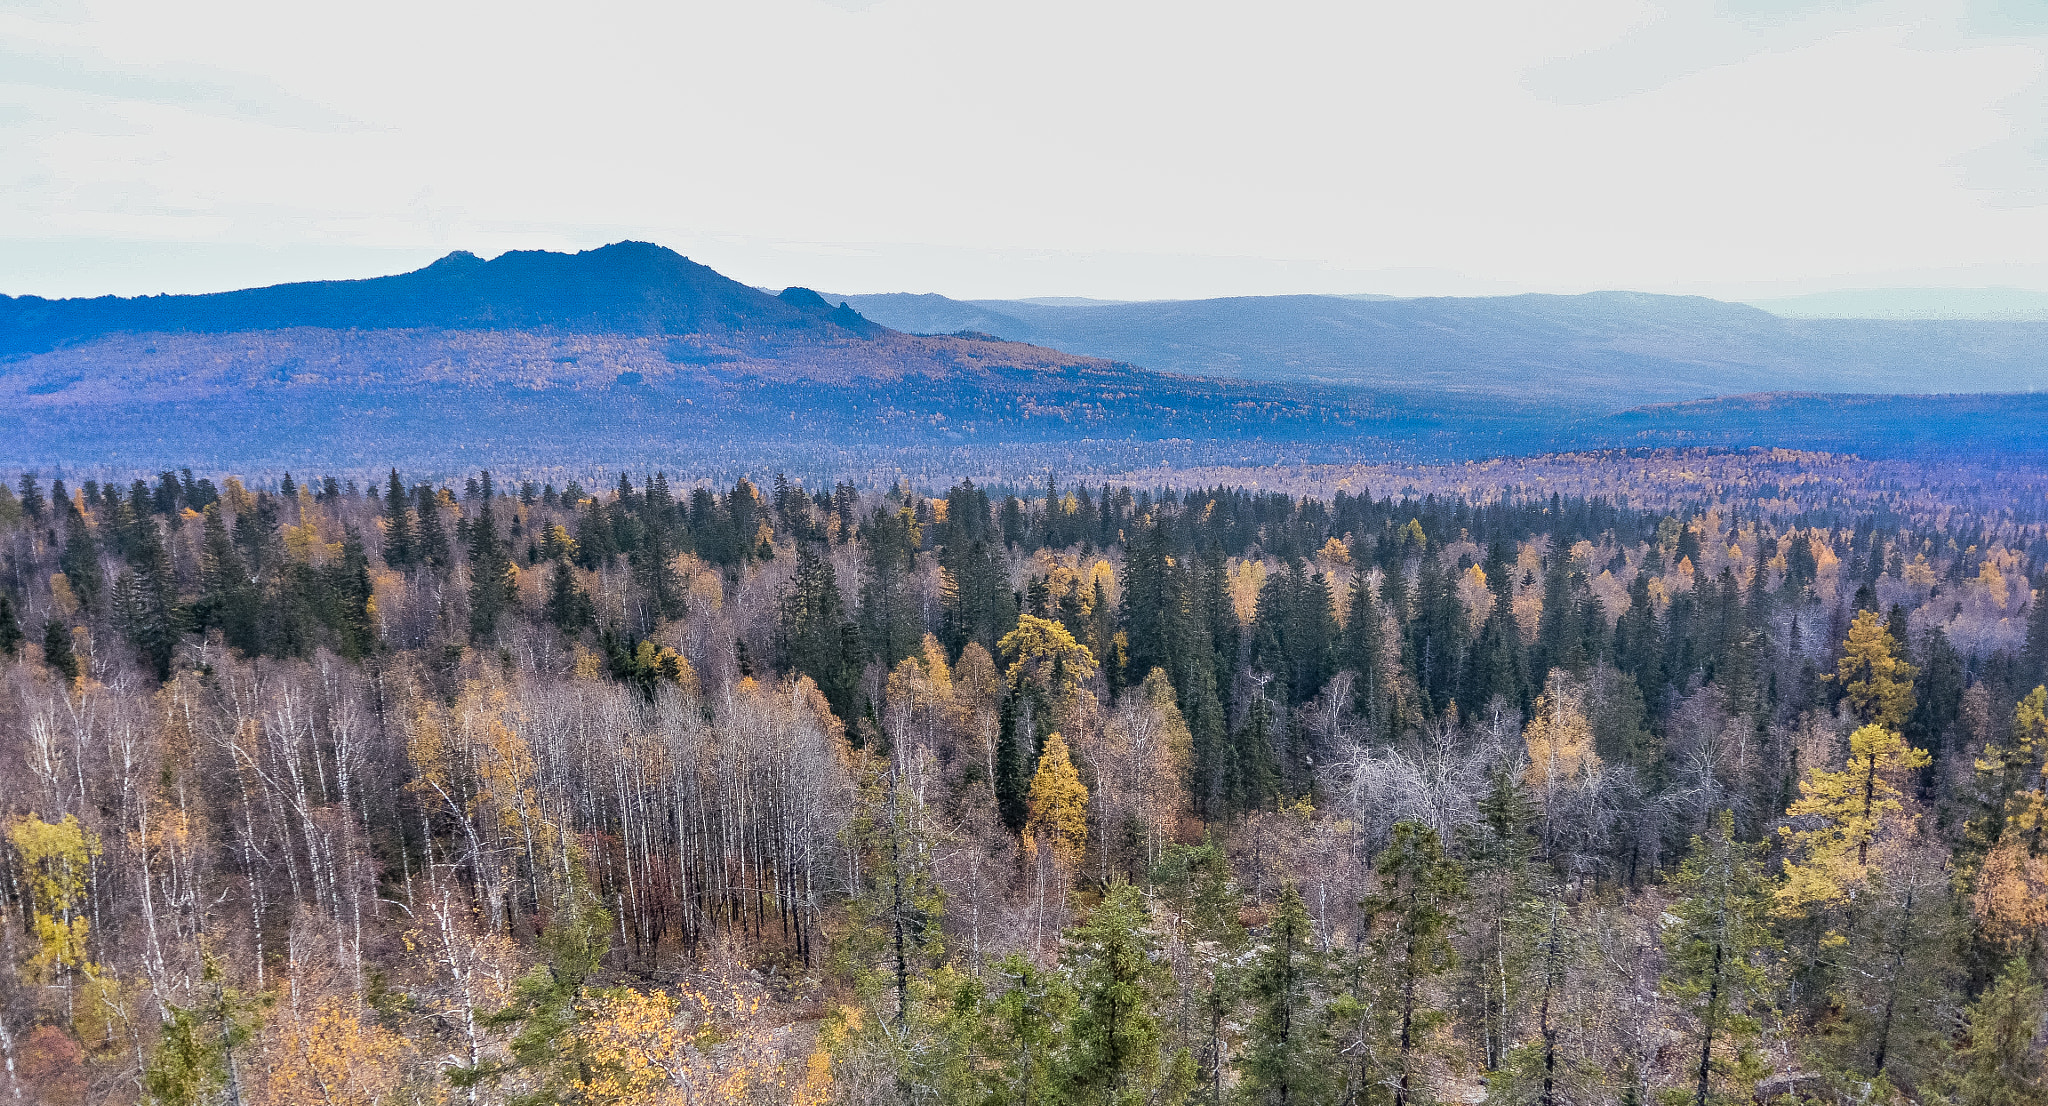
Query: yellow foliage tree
point(55, 860)
point(324, 1052)
point(1043, 652)
point(1560, 742)
point(1848, 809)
point(661, 1049)
point(1057, 807)
point(1876, 680)
point(2011, 901)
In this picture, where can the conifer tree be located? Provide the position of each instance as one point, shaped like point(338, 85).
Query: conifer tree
point(897, 907)
point(2001, 1062)
point(1714, 973)
point(1846, 810)
point(1116, 1052)
point(1410, 921)
point(352, 597)
point(492, 586)
point(31, 498)
point(813, 631)
point(568, 606)
point(147, 602)
point(1287, 1056)
point(431, 540)
point(1056, 807)
point(398, 539)
point(10, 627)
point(57, 652)
point(80, 563)
point(1874, 675)
point(544, 1007)
point(227, 601)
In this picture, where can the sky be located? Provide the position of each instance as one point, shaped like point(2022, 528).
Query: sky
point(990, 149)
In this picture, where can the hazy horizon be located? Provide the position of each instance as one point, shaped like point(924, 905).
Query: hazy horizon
point(1746, 151)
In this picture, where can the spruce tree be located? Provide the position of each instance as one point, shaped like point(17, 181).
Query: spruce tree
point(1714, 973)
point(57, 651)
point(1410, 921)
point(2001, 1062)
point(491, 582)
point(1116, 1052)
point(31, 498)
point(349, 585)
point(399, 552)
point(431, 541)
point(568, 606)
point(227, 601)
point(814, 633)
point(1287, 1055)
point(80, 563)
point(10, 627)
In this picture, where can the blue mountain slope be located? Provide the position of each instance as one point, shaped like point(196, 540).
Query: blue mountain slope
point(1613, 349)
point(624, 288)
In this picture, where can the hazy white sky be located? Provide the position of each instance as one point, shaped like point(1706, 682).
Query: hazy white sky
point(983, 148)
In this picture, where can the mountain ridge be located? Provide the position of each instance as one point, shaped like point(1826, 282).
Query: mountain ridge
point(625, 287)
point(1624, 349)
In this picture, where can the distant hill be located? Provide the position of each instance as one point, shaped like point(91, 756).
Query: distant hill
point(2007, 304)
point(1608, 350)
point(632, 355)
point(626, 354)
point(625, 288)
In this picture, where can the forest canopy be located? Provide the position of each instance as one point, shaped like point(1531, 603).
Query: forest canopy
point(380, 788)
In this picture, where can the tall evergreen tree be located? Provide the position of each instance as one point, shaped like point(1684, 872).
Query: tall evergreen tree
point(1116, 1051)
point(814, 634)
point(399, 551)
point(491, 582)
point(1714, 971)
point(57, 651)
point(568, 605)
point(1287, 1055)
point(11, 636)
point(431, 540)
point(1409, 921)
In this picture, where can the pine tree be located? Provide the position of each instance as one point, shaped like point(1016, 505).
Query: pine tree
point(1287, 1055)
point(568, 606)
point(492, 586)
point(1713, 948)
point(2002, 1064)
point(1116, 1052)
point(57, 652)
point(1410, 921)
point(10, 627)
point(398, 540)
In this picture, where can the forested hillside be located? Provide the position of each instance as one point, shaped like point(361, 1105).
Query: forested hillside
point(1610, 350)
point(632, 355)
point(372, 789)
